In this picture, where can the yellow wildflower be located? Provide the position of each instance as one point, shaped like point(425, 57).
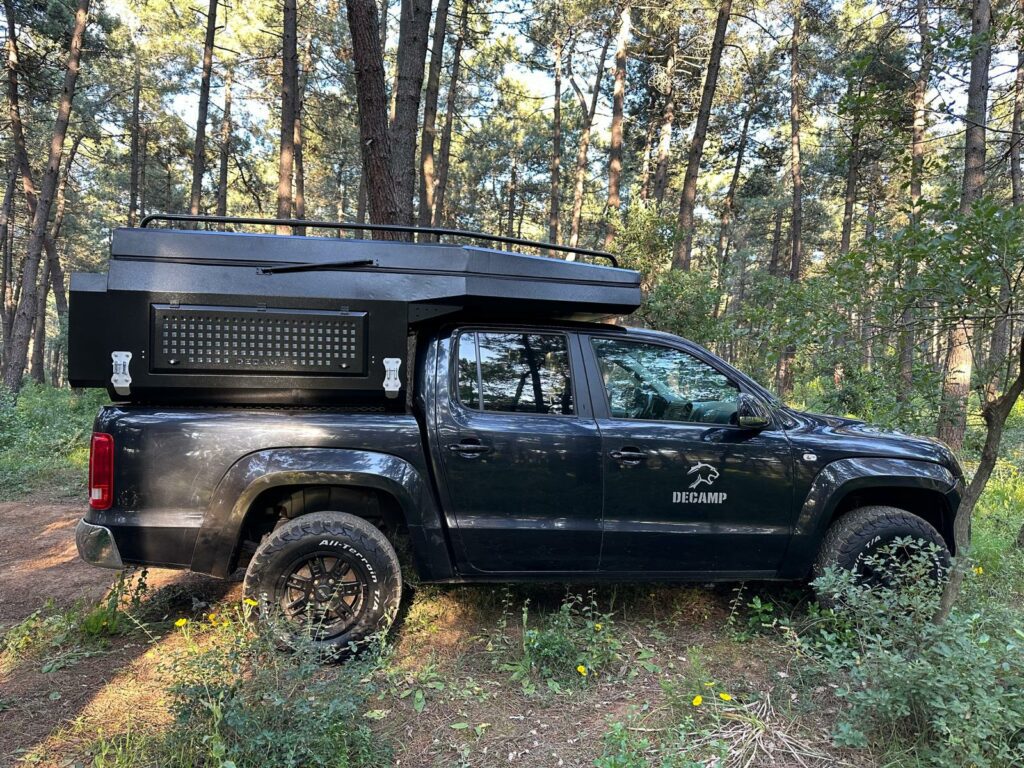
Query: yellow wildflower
point(250, 602)
point(725, 696)
point(697, 700)
point(212, 617)
point(978, 570)
point(597, 627)
point(582, 670)
point(709, 685)
point(181, 622)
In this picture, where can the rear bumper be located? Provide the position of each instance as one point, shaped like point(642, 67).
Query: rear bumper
point(96, 546)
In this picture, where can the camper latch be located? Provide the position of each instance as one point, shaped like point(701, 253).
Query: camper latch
point(391, 381)
point(121, 379)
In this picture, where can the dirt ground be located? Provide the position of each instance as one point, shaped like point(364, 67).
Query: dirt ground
point(38, 710)
point(52, 716)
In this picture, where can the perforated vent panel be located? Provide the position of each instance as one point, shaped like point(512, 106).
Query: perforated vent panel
point(249, 340)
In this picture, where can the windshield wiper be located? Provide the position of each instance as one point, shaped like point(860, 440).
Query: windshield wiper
point(315, 267)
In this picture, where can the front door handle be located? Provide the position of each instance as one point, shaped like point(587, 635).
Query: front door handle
point(468, 448)
point(628, 455)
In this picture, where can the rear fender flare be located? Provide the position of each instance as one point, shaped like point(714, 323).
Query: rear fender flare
point(840, 478)
point(217, 543)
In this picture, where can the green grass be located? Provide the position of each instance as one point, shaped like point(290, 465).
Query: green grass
point(44, 441)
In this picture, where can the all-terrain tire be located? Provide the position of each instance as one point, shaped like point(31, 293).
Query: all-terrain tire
point(337, 542)
point(862, 532)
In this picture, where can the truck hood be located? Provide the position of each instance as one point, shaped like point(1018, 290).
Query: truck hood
point(852, 437)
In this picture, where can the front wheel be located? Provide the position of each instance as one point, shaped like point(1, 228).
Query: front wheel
point(855, 540)
point(331, 574)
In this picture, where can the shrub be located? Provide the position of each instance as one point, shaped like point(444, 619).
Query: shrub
point(952, 690)
point(240, 700)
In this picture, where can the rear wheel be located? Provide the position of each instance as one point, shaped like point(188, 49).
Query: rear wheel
point(330, 574)
point(858, 538)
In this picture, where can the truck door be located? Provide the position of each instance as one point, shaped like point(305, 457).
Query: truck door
point(686, 490)
point(519, 451)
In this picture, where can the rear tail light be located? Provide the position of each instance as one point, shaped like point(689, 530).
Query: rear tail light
point(101, 471)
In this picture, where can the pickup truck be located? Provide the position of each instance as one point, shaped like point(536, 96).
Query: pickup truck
point(550, 451)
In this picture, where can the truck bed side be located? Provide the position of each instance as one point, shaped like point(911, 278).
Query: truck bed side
point(183, 476)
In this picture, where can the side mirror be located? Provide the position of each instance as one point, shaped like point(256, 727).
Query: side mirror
point(751, 413)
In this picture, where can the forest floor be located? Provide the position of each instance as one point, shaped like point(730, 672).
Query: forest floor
point(447, 699)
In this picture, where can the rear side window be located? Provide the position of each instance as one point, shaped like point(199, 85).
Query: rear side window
point(514, 372)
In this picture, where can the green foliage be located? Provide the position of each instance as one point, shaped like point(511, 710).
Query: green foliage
point(240, 701)
point(44, 440)
point(571, 646)
point(57, 639)
point(950, 690)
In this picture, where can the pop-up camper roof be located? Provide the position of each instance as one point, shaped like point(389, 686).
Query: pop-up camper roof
point(244, 317)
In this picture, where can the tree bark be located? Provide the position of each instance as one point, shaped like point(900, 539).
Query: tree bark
point(796, 220)
point(225, 146)
point(555, 162)
point(300, 100)
point(143, 152)
point(133, 181)
point(24, 320)
point(994, 414)
point(289, 88)
point(956, 380)
point(688, 199)
point(850, 193)
point(427, 176)
point(1017, 132)
point(199, 152)
point(581, 154)
point(375, 146)
point(37, 368)
point(729, 204)
point(668, 119)
point(618, 109)
point(446, 134)
point(413, 31)
point(776, 251)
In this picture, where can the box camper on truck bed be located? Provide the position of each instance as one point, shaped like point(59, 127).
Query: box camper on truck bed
point(306, 407)
point(190, 315)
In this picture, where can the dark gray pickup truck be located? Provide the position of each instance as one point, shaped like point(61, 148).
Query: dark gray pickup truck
point(509, 448)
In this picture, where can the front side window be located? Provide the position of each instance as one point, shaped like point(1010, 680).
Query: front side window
point(652, 382)
point(514, 372)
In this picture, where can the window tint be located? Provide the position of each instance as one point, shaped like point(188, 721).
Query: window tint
point(515, 372)
point(651, 382)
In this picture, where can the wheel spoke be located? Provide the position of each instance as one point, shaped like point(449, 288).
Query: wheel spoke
point(340, 569)
point(317, 568)
point(349, 589)
point(300, 583)
point(296, 606)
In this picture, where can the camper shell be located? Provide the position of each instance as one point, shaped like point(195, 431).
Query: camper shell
point(190, 315)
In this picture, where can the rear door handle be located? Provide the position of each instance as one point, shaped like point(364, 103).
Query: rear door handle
point(628, 455)
point(468, 448)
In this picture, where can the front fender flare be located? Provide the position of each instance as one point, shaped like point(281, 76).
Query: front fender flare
point(217, 543)
point(839, 479)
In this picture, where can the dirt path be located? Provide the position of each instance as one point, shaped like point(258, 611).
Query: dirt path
point(38, 564)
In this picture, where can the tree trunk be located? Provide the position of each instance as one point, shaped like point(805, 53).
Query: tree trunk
point(289, 88)
point(850, 193)
point(414, 29)
point(199, 152)
point(6, 271)
point(956, 381)
point(668, 119)
point(446, 134)
point(796, 221)
point(729, 204)
point(300, 99)
point(143, 152)
point(1017, 133)
point(618, 108)
point(581, 154)
point(37, 367)
point(513, 191)
point(427, 180)
point(688, 199)
point(375, 146)
point(24, 319)
point(555, 163)
point(995, 414)
point(133, 181)
point(776, 251)
point(225, 147)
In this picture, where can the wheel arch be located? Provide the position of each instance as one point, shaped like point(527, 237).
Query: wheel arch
point(922, 488)
point(303, 480)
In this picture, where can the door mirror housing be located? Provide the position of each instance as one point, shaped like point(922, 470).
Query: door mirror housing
point(751, 413)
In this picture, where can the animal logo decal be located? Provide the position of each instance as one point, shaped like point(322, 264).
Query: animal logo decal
point(705, 473)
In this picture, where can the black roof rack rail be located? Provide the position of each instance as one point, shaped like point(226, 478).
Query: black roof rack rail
point(356, 227)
